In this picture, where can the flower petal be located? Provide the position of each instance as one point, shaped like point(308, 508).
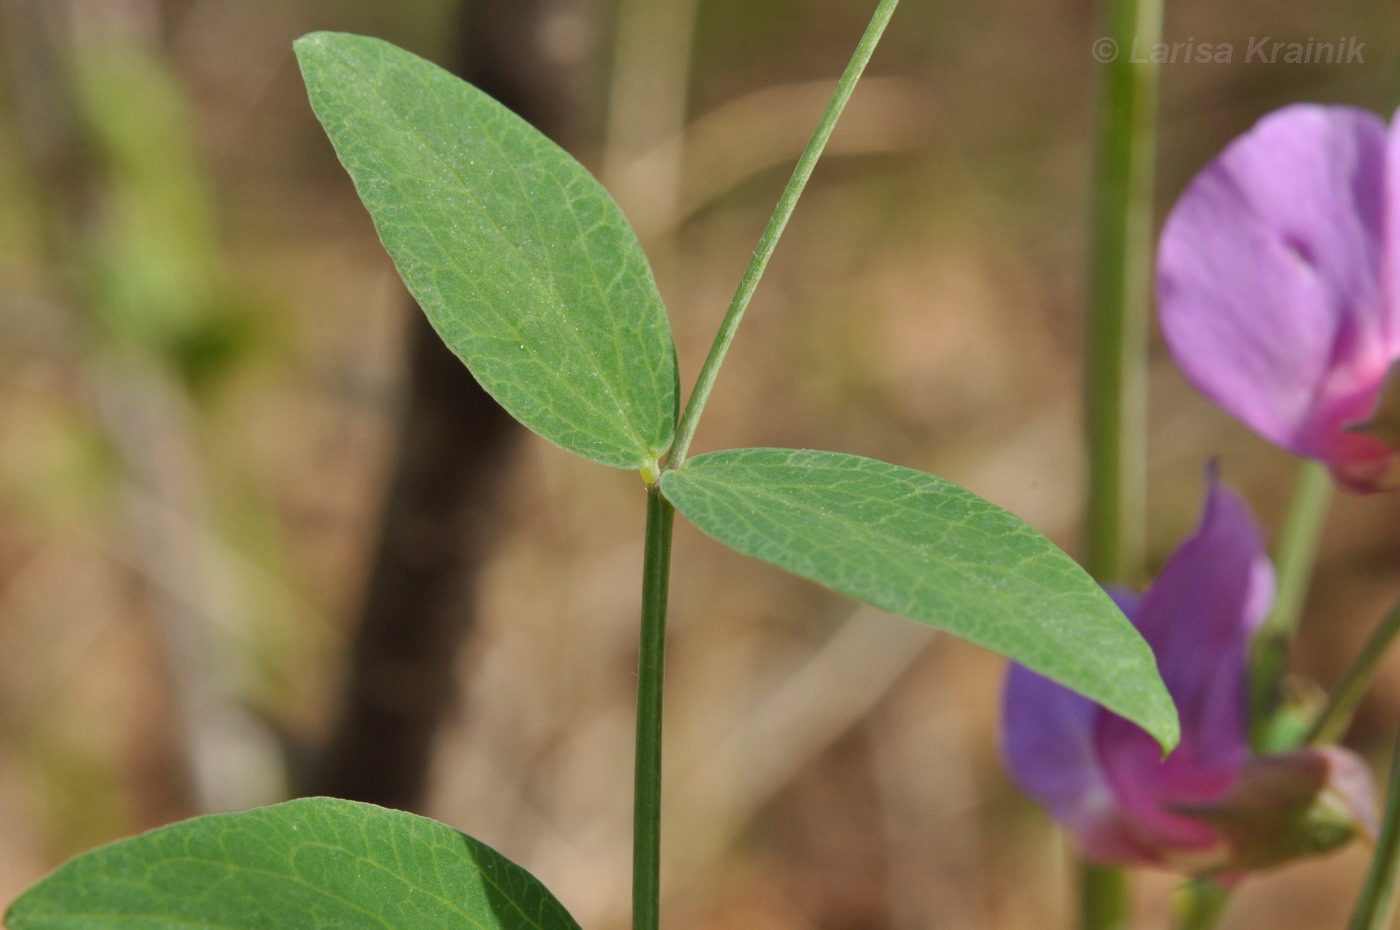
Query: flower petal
point(1269, 280)
point(1198, 617)
point(1048, 744)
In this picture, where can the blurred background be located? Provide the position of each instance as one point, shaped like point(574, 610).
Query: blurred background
point(257, 538)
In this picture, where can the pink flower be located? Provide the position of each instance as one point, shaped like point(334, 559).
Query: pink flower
point(1278, 285)
point(1210, 804)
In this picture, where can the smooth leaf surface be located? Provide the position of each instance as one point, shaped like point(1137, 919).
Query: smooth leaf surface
point(311, 864)
point(523, 263)
point(917, 545)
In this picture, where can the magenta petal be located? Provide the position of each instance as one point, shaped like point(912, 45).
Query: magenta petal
point(1048, 744)
point(1269, 280)
point(1197, 617)
point(1208, 599)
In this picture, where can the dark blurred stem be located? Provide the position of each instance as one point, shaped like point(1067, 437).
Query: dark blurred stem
point(1377, 902)
point(651, 673)
point(1331, 725)
point(1116, 356)
point(434, 533)
point(1297, 551)
point(438, 521)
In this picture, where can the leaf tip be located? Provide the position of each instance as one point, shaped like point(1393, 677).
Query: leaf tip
point(318, 42)
point(1167, 729)
point(309, 41)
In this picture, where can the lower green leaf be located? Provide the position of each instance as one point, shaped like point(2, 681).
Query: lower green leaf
point(923, 547)
point(311, 864)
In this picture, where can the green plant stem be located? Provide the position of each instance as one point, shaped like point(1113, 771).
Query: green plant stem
point(651, 665)
point(1297, 551)
point(1331, 724)
point(1373, 910)
point(1203, 902)
point(1119, 286)
point(1115, 404)
point(646, 825)
point(768, 241)
point(1103, 898)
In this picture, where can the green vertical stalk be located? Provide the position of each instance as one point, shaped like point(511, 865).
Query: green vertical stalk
point(651, 672)
point(1297, 551)
point(1377, 903)
point(1203, 901)
point(1103, 898)
point(646, 823)
point(1116, 354)
point(1119, 286)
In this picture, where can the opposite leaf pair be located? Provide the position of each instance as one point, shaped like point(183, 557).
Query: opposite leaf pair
point(531, 275)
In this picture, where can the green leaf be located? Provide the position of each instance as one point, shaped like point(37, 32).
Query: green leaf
point(923, 547)
point(307, 864)
point(523, 263)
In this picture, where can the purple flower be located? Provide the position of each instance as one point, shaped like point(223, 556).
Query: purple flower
point(1208, 805)
point(1278, 285)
